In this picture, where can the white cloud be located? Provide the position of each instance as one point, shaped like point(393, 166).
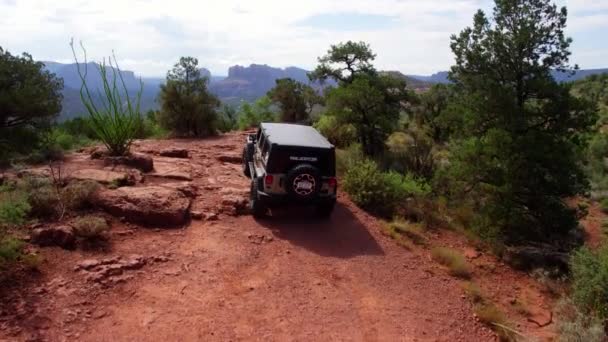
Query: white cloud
point(150, 35)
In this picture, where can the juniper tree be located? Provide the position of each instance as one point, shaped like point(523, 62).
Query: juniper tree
point(518, 152)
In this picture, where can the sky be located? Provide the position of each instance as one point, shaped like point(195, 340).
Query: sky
point(149, 36)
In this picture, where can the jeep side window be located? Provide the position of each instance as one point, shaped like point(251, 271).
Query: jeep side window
point(265, 149)
point(262, 141)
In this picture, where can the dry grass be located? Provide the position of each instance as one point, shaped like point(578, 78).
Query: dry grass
point(411, 231)
point(488, 313)
point(473, 292)
point(78, 195)
point(397, 237)
point(453, 260)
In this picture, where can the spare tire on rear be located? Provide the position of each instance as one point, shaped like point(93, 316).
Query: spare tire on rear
point(303, 182)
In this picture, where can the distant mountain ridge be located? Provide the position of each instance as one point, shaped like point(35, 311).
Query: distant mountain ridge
point(242, 83)
point(72, 105)
point(442, 76)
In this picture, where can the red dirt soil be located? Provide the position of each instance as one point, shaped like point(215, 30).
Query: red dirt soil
point(286, 278)
point(593, 225)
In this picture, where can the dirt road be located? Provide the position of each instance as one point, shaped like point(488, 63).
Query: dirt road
point(287, 278)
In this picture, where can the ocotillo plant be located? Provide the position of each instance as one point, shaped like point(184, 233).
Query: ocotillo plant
point(117, 120)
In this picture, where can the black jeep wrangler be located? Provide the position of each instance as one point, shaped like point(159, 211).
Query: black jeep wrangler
point(290, 164)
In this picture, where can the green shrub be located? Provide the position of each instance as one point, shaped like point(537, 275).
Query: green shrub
point(251, 116)
point(64, 140)
point(412, 151)
point(14, 207)
point(91, 228)
point(80, 126)
point(60, 138)
point(380, 192)
point(341, 135)
point(348, 158)
point(604, 205)
point(227, 120)
point(11, 250)
point(369, 190)
point(151, 129)
point(453, 260)
point(590, 281)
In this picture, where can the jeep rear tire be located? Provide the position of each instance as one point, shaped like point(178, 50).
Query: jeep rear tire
point(258, 209)
point(246, 170)
point(303, 182)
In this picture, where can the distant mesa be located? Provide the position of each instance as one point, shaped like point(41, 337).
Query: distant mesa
point(254, 81)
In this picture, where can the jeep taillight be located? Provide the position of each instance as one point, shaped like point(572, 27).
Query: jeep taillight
point(268, 180)
point(332, 182)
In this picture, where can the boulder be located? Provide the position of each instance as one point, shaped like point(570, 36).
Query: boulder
point(61, 236)
point(152, 205)
point(139, 161)
point(172, 169)
point(232, 158)
point(187, 188)
point(103, 176)
point(175, 153)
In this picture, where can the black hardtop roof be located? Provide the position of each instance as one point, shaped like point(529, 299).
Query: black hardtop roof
point(294, 135)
